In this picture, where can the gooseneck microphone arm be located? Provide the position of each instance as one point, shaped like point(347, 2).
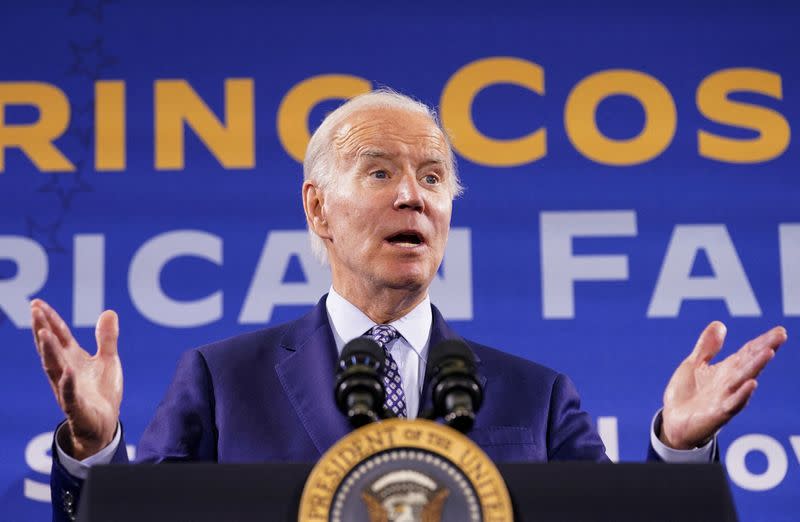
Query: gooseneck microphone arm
point(359, 390)
point(456, 389)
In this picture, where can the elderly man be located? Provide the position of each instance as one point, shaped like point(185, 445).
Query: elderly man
point(379, 184)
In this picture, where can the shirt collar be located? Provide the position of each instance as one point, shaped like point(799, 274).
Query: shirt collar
point(348, 322)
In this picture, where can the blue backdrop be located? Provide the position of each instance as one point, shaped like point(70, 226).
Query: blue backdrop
point(630, 171)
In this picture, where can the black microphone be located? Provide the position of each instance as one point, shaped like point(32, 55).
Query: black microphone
point(457, 393)
point(359, 388)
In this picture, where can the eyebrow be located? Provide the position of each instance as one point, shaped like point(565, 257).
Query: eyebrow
point(375, 153)
point(380, 153)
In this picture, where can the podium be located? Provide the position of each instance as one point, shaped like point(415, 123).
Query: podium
point(559, 491)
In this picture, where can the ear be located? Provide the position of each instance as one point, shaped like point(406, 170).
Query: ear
point(314, 206)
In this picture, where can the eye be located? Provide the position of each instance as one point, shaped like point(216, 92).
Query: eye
point(379, 174)
point(432, 179)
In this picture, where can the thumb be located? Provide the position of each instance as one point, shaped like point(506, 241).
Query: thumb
point(710, 342)
point(106, 333)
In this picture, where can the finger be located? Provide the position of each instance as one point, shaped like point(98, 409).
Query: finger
point(74, 411)
point(747, 366)
point(38, 322)
point(75, 407)
point(48, 365)
point(107, 333)
point(52, 358)
point(739, 399)
point(710, 342)
point(68, 395)
point(771, 339)
point(57, 324)
point(780, 336)
point(752, 353)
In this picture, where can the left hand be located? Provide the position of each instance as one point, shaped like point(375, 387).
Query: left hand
point(702, 397)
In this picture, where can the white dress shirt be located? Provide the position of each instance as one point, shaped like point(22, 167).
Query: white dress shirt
point(410, 351)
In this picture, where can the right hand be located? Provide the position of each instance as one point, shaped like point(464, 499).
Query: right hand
point(88, 388)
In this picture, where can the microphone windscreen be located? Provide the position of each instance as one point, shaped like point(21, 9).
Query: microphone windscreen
point(362, 346)
point(450, 349)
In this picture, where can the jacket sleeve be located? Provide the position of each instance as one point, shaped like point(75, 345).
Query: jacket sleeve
point(183, 427)
point(65, 489)
point(571, 435)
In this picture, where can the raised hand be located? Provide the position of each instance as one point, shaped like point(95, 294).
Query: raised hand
point(87, 387)
point(702, 397)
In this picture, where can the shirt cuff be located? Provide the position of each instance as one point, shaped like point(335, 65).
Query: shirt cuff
point(691, 456)
point(80, 468)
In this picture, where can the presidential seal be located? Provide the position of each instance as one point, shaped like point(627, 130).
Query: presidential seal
point(400, 470)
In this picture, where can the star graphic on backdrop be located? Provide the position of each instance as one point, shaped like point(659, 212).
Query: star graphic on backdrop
point(66, 184)
point(90, 60)
point(45, 235)
point(93, 8)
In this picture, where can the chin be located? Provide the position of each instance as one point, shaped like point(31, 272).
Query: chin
point(412, 280)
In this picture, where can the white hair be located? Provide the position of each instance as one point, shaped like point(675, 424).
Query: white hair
point(320, 165)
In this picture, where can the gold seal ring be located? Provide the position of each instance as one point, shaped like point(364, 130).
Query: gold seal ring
point(392, 444)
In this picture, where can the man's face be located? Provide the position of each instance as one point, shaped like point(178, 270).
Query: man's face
point(387, 211)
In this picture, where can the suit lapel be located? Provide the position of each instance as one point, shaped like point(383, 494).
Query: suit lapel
point(440, 331)
point(307, 377)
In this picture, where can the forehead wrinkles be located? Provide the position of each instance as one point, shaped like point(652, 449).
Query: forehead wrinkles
point(350, 140)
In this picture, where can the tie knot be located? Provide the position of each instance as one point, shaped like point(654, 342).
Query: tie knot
point(382, 334)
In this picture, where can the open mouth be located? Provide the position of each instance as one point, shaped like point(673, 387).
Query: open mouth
point(406, 238)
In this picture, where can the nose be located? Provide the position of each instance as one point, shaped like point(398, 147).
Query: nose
point(409, 194)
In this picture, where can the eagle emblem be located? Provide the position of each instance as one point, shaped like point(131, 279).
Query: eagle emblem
point(405, 496)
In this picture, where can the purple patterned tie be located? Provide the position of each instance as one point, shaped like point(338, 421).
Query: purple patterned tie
point(383, 334)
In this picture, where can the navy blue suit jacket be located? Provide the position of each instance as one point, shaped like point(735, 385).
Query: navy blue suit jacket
point(268, 396)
